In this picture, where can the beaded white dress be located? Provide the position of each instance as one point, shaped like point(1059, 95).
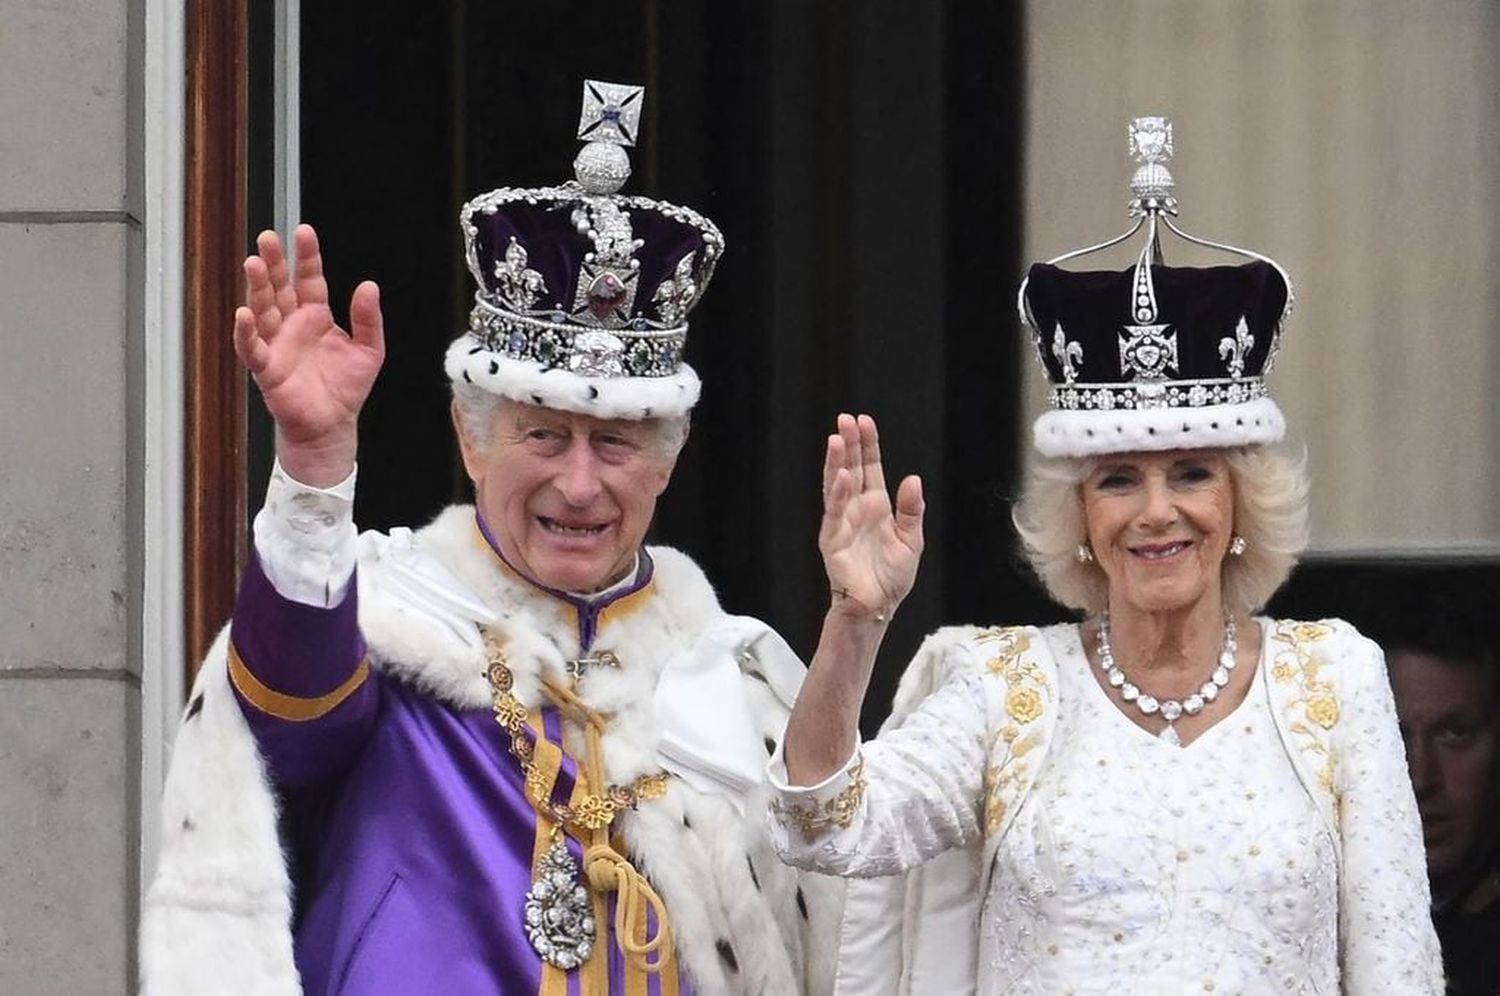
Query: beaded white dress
point(1130, 865)
point(1138, 867)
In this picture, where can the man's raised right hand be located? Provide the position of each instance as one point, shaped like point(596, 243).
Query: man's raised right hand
point(314, 376)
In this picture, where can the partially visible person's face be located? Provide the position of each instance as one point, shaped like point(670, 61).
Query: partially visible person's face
point(1451, 725)
point(567, 497)
point(1159, 524)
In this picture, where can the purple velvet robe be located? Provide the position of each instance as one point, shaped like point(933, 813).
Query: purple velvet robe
point(410, 832)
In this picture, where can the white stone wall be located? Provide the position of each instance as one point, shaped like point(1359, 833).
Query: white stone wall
point(70, 449)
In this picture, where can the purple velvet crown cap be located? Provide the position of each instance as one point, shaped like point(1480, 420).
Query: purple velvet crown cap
point(556, 250)
point(1190, 374)
point(1202, 305)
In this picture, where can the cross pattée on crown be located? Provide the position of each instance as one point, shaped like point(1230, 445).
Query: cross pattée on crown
point(611, 112)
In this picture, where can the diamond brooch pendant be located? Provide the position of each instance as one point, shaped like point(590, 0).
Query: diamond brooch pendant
point(559, 915)
point(1169, 735)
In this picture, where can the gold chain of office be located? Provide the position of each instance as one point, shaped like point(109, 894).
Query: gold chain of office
point(592, 812)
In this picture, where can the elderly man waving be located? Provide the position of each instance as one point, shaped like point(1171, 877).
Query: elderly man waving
point(515, 751)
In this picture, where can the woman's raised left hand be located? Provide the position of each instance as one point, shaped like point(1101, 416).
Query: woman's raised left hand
point(870, 548)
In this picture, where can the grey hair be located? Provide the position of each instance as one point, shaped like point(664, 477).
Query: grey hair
point(477, 409)
point(1270, 512)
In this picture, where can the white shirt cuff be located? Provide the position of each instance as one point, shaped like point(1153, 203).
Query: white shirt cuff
point(305, 539)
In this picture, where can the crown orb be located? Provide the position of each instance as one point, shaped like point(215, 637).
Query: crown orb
point(602, 168)
point(1152, 185)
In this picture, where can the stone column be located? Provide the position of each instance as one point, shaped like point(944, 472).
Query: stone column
point(70, 446)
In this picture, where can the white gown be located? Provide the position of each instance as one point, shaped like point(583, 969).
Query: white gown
point(1131, 865)
point(1135, 866)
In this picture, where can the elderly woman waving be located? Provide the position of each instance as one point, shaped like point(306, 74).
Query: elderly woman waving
point(1173, 795)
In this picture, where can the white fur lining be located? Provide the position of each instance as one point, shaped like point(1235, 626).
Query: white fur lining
point(602, 397)
point(1062, 433)
point(216, 919)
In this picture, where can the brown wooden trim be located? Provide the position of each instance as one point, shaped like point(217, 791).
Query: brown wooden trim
point(215, 239)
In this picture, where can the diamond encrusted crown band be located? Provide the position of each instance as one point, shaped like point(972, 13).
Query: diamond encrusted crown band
point(556, 344)
point(1176, 394)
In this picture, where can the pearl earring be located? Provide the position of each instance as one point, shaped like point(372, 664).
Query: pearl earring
point(1085, 554)
point(1238, 546)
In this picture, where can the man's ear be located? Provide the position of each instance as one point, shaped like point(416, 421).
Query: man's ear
point(664, 475)
point(670, 463)
point(467, 448)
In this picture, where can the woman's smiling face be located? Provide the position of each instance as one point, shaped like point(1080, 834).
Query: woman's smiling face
point(1159, 525)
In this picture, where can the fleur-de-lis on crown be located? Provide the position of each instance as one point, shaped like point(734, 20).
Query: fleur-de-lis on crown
point(519, 286)
point(1234, 349)
point(1067, 353)
point(675, 295)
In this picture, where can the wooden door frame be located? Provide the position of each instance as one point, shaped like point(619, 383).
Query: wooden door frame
point(214, 241)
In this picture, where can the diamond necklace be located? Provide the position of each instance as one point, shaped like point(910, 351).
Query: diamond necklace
point(1170, 709)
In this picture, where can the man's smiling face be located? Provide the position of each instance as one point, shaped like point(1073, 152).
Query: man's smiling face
point(567, 497)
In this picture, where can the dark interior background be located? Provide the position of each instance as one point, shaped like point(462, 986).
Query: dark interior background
point(864, 162)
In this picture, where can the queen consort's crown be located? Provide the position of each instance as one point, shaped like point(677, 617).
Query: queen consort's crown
point(1156, 357)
